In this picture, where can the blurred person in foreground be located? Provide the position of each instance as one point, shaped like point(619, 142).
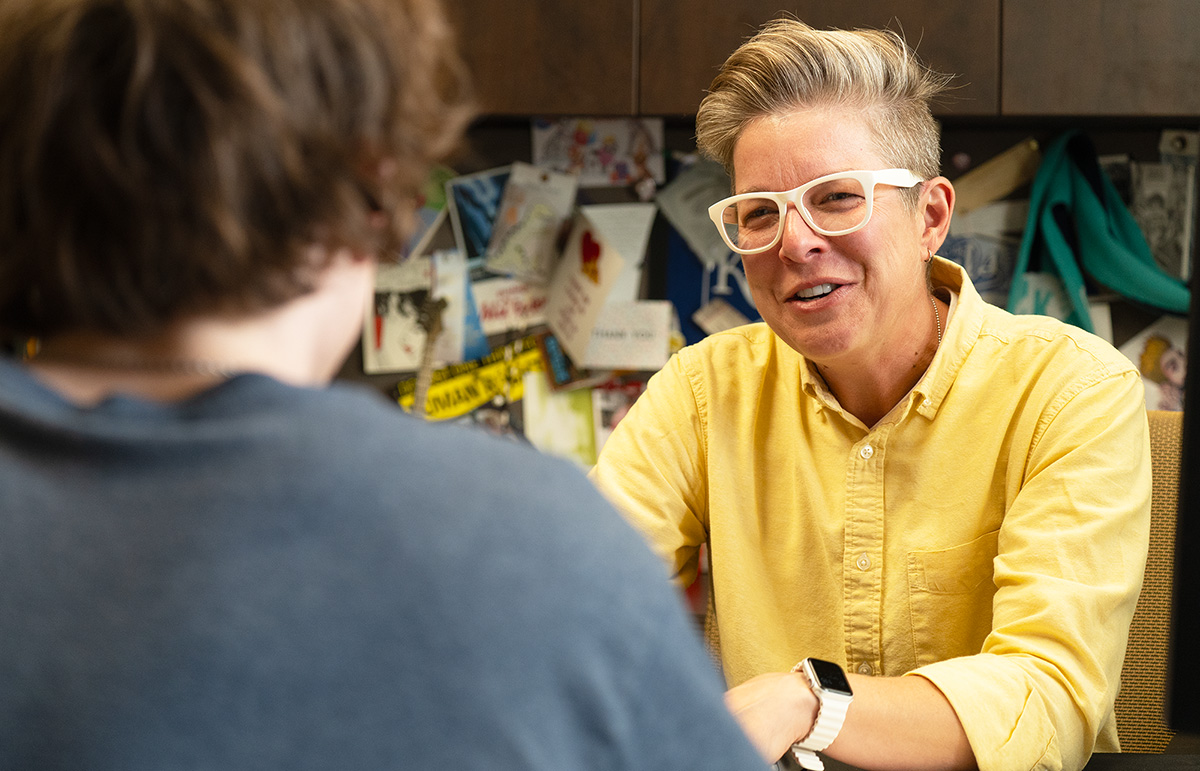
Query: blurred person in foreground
point(211, 557)
point(927, 518)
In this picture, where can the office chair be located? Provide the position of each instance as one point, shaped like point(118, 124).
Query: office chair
point(1140, 723)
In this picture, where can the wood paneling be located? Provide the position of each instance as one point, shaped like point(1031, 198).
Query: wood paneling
point(683, 42)
point(1119, 57)
point(544, 57)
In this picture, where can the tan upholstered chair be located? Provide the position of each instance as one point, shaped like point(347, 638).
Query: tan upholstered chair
point(1140, 722)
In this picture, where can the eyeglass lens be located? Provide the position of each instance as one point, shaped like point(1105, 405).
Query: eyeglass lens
point(835, 205)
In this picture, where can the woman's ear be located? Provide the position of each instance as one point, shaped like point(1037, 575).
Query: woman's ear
point(937, 206)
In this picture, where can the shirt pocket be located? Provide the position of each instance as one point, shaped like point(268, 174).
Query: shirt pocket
point(950, 595)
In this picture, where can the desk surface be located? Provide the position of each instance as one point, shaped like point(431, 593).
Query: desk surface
point(1102, 761)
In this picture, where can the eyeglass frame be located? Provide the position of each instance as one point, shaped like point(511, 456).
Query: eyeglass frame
point(901, 178)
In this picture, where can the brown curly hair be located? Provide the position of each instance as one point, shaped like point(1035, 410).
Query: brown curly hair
point(163, 158)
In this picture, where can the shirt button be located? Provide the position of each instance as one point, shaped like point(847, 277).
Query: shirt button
point(863, 562)
point(866, 451)
point(865, 668)
point(927, 402)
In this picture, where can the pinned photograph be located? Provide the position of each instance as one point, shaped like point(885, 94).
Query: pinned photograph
point(398, 322)
point(473, 201)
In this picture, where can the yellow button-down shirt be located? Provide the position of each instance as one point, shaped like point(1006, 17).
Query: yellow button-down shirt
point(989, 533)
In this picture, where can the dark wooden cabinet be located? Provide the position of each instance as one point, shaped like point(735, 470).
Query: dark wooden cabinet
point(683, 42)
point(547, 57)
point(1011, 57)
point(1114, 57)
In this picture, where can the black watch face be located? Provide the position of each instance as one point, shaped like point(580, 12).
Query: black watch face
point(830, 676)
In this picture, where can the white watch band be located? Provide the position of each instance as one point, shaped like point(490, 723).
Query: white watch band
point(807, 758)
point(831, 713)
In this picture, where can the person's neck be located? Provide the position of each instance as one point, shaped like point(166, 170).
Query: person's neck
point(870, 389)
point(189, 357)
point(302, 342)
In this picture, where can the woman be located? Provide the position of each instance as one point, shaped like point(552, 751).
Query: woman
point(892, 477)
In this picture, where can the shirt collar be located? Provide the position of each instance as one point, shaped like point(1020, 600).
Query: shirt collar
point(962, 329)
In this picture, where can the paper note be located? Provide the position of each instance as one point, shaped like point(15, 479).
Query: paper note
point(631, 336)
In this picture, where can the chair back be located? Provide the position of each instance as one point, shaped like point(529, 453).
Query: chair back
point(1141, 726)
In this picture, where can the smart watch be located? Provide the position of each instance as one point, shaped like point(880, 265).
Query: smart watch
point(829, 684)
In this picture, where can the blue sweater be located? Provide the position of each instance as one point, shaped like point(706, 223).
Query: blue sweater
point(275, 577)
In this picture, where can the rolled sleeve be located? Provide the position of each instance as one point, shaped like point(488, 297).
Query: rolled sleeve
point(651, 469)
point(1072, 552)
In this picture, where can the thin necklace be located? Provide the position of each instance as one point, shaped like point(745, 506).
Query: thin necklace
point(938, 318)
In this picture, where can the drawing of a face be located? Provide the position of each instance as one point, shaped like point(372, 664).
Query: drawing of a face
point(1173, 364)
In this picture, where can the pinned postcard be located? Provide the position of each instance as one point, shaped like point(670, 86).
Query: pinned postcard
point(507, 304)
point(601, 151)
point(534, 208)
point(988, 260)
point(396, 326)
point(475, 342)
point(585, 276)
point(685, 204)
point(631, 336)
point(561, 372)
point(999, 219)
point(473, 201)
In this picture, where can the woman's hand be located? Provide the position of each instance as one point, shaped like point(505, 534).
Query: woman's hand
point(775, 710)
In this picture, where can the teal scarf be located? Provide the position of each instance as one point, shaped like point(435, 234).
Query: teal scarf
point(1078, 224)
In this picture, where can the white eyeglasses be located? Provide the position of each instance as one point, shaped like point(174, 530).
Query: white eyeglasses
point(832, 205)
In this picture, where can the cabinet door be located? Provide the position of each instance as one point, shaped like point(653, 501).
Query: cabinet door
point(1117, 57)
point(544, 57)
point(684, 42)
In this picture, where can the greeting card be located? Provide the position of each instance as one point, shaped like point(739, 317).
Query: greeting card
point(1160, 353)
point(585, 276)
point(627, 227)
